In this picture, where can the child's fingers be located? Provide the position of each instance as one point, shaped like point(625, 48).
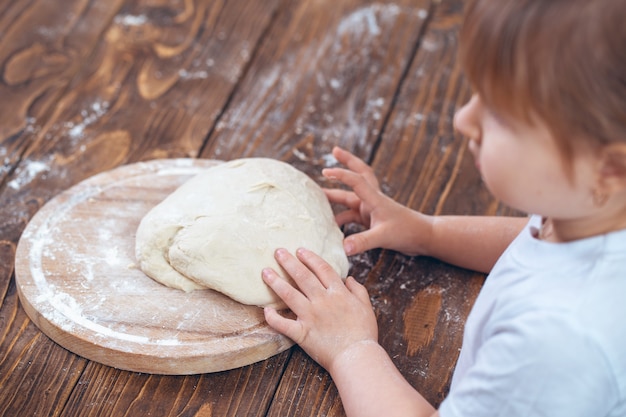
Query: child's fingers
point(290, 328)
point(358, 290)
point(290, 295)
point(355, 164)
point(352, 202)
point(360, 184)
point(316, 264)
point(349, 216)
point(309, 284)
point(343, 197)
point(362, 241)
point(350, 160)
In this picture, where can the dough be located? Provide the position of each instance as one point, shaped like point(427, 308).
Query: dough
point(221, 228)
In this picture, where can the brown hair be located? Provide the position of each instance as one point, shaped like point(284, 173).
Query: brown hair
point(563, 61)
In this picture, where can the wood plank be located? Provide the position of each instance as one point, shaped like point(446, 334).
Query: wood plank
point(418, 156)
point(326, 76)
point(421, 304)
point(118, 108)
point(306, 390)
point(423, 163)
point(321, 78)
point(7, 257)
point(43, 46)
point(36, 375)
point(104, 391)
point(419, 162)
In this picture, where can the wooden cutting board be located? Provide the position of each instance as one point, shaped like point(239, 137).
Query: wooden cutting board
point(78, 282)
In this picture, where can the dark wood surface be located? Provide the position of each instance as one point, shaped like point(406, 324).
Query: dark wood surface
point(87, 86)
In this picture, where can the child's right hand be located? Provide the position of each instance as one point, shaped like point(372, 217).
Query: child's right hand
point(390, 224)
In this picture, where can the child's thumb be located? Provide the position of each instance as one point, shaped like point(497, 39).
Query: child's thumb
point(360, 242)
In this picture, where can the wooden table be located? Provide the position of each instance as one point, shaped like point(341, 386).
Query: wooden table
point(91, 85)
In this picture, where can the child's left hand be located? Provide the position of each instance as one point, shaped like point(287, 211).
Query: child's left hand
point(331, 316)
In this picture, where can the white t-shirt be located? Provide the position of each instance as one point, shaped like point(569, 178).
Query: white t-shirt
point(547, 334)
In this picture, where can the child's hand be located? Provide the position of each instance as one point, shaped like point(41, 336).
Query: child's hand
point(390, 224)
point(331, 316)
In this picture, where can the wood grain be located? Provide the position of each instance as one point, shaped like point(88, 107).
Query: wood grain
point(103, 391)
point(308, 390)
point(40, 56)
point(85, 133)
point(321, 79)
point(422, 303)
point(116, 108)
point(26, 356)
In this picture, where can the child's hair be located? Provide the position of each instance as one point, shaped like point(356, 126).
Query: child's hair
point(563, 61)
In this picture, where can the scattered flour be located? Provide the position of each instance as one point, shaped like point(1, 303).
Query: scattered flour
point(58, 307)
point(335, 84)
point(27, 172)
point(112, 256)
point(365, 21)
point(90, 116)
point(131, 20)
point(301, 155)
point(329, 160)
point(186, 75)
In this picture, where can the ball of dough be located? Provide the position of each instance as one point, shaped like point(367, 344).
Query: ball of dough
point(221, 228)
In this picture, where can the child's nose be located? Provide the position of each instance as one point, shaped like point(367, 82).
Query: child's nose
point(466, 119)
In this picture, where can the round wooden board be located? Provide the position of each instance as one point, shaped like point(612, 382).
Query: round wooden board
point(77, 280)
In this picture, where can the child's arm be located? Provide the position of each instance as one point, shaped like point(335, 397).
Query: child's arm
point(370, 385)
point(337, 327)
point(473, 242)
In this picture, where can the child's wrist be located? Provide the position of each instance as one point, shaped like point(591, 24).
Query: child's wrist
point(417, 233)
point(354, 355)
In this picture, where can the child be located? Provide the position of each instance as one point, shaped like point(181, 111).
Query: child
point(547, 128)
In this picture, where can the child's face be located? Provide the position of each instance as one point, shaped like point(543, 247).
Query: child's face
point(522, 165)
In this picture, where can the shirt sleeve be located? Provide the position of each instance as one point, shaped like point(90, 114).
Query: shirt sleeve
point(539, 364)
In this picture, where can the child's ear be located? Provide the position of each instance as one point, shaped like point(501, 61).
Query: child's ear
point(613, 167)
